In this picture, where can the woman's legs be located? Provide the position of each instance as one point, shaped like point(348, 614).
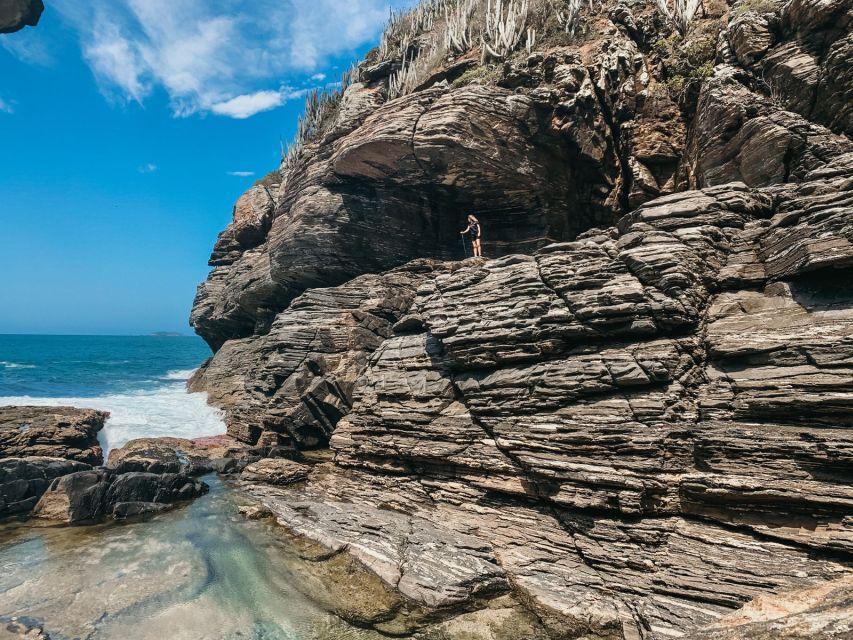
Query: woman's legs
point(478, 252)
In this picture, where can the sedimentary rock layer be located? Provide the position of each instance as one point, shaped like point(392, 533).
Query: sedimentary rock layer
point(55, 432)
point(635, 416)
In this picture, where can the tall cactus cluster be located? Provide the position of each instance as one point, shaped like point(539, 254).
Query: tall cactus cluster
point(320, 109)
point(506, 25)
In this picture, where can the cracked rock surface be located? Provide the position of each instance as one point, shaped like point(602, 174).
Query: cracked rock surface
point(634, 419)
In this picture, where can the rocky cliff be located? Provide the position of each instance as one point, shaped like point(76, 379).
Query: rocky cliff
point(17, 14)
point(632, 419)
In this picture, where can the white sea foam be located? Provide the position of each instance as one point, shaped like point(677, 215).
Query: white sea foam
point(166, 411)
point(16, 365)
point(180, 374)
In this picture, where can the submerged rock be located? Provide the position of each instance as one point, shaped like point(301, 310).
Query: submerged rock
point(21, 629)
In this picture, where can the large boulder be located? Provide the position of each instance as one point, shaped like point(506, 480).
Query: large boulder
point(54, 432)
point(24, 480)
point(87, 496)
point(179, 455)
point(17, 14)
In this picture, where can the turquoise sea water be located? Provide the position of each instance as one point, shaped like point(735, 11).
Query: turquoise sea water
point(140, 380)
point(198, 572)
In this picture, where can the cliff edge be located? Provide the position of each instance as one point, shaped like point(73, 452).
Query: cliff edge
point(631, 421)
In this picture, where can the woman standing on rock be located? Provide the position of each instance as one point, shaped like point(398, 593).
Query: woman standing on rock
point(474, 228)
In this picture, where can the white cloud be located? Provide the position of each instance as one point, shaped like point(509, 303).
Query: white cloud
point(116, 62)
point(147, 168)
point(241, 174)
point(245, 106)
point(222, 56)
point(5, 107)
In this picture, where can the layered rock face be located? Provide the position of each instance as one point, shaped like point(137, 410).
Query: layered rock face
point(17, 14)
point(631, 432)
point(40, 444)
point(56, 432)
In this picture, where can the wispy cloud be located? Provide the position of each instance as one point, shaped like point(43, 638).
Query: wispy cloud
point(5, 107)
point(225, 57)
point(147, 168)
point(241, 174)
point(29, 46)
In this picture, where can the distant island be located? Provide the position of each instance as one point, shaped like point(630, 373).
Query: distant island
point(168, 334)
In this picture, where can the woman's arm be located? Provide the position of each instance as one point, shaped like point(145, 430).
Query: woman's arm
point(466, 230)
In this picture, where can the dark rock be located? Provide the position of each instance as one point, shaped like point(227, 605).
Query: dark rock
point(739, 135)
point(53, 432)
point(87, 496)
point(293, 384)
point(16, 14)
point(20, 628)
point(24, 480)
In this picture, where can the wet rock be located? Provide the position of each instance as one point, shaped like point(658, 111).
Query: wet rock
point(87, 496)
point(278, 471)
point(53, 432)
point(179, 455)
point(16, 14)
point(24, 480)
point(21, 629)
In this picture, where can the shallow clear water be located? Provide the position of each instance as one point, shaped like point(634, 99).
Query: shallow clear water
point(202, 571)
point(140, 380)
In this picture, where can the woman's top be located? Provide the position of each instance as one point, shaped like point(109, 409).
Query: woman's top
point(475, 231)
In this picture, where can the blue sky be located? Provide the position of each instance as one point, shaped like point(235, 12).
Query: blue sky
point(127, 130)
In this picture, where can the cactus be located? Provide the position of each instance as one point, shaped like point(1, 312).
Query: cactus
point(568, 16)
point(531, 40)
point(681, 14)
point(458, 27)
point(505, 26)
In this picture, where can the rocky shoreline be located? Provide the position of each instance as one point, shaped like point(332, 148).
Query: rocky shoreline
point(632, 422)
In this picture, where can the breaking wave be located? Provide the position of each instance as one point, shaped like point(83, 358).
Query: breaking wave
point(164, 411)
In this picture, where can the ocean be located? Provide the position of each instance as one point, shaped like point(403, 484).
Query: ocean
point(140, 380)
